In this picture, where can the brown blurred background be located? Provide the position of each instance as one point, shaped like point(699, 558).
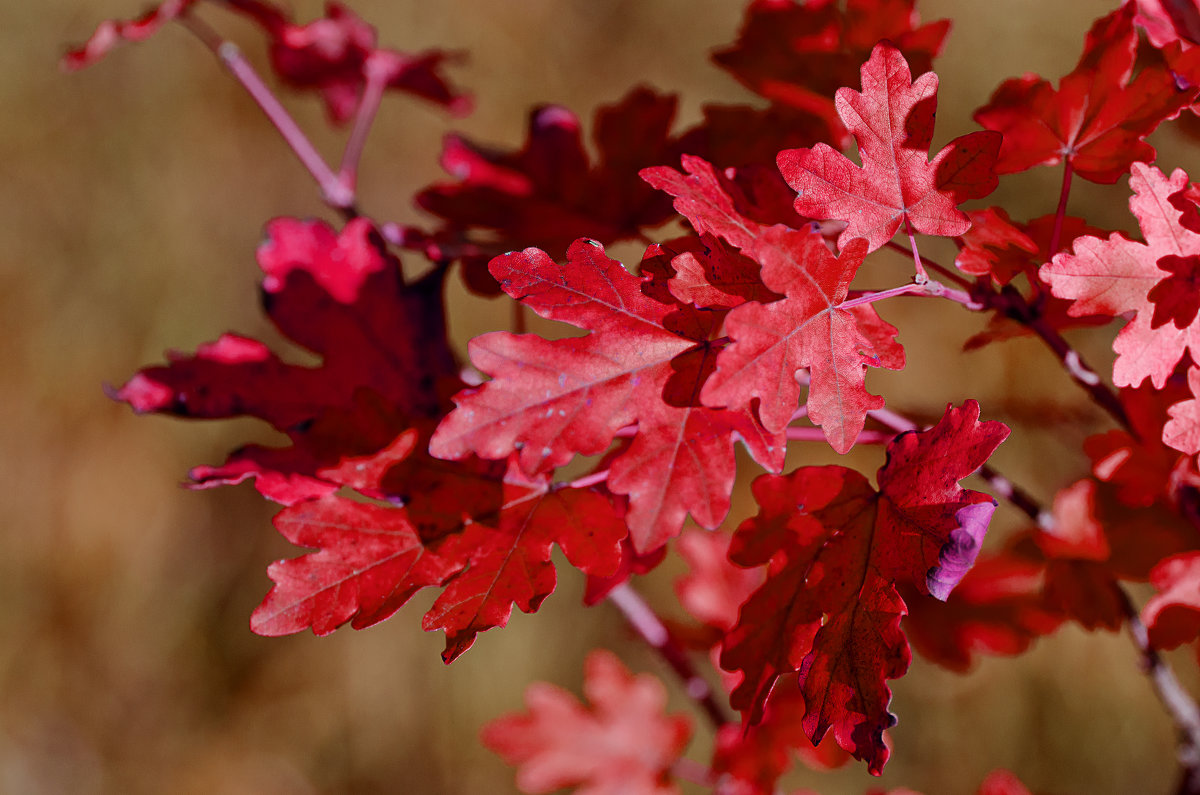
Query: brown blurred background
point(132, 196)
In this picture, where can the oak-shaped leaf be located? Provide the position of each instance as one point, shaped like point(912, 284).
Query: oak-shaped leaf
point(642, 364)
point(1172, 616)
point(1118, 275)
point(1098, 117)
point(384, 363)
point(550, 192)
point(491, 553)
point(891, 119)
point(772, 342)
point(838, 548)
point(620, 743)
point(799, 54)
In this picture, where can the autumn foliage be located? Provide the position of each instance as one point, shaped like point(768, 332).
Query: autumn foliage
point(411, 465)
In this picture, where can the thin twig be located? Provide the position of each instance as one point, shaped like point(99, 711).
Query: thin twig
point(1061, 212)
point(333, 191)
point(1179, 703)
point(376, 75)
point(912, 241)
point(646, 623)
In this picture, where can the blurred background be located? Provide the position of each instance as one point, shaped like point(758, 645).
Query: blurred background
point(132, 196)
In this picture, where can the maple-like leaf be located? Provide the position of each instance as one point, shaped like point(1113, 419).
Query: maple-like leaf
point(1098, 117)
point(331, 55)
point(383, 362)
point(892, 122)
point(642, 365)
point(550, 193)
point(799, 54)
point(621, 743)
point(1172, 616)
point(1118, 275)
point(808, 329)
point(838, 548)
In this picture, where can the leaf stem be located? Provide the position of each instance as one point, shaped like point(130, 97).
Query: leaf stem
point(922, 276)
point(1016, 306)
point(375, 73)
point(1060, 214)
point(650, 627)
point(333, 191)
point(948, 273)
point(930, 287)
point(587, 480)
point(811, 434)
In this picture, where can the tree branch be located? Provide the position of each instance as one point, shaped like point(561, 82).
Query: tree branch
point(646, 623)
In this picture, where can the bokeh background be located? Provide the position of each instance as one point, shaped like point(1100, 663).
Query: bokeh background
point(132, 196)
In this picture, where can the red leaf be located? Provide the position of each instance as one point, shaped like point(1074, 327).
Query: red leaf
point(492, 554)
point(1080, 581)
point(371, 561)
point(509, 563)
point(336, 54)
point(997, 609)
point(384, 361)
point(1137, 463)
point(892, 121)
point(838, 549)
point(1118, 275)
point(1074, 533)
point(757, 756)
point(800, 54)
point(333, 54)
point(597, 588)
point(1172, 616)
point(642, 364)
point(1096, 119)
point(714, 588)
point(773, 342)
point(1002, 782)
point(1182, 432)
point(111, 33)
point(548, 194)
point(706, 272)
point(703, 197)
point(622, 743)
